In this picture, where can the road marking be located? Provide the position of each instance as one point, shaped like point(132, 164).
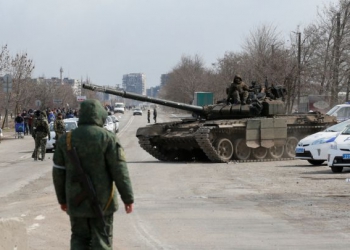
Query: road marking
point(120, 134)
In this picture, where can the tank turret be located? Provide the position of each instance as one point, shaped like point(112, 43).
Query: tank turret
point(258, 131)
point(262, 107)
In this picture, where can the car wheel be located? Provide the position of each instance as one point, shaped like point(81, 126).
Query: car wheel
point(316, 162)
point(337, 169)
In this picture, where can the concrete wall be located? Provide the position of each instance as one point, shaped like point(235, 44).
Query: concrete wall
point(13, 234)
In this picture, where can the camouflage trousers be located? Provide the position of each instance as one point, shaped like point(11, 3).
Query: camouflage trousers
point(88, 233)
point(40, 143)
point(239, 97)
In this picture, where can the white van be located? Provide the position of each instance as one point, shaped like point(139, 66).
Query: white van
point(119, 107)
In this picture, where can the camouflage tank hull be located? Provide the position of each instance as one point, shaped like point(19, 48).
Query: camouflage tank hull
point(251, 139)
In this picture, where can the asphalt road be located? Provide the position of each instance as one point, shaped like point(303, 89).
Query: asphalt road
point(269, 205)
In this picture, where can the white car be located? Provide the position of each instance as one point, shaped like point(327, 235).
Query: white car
point(314, 148)
point(339, 153)
point(70, 124)
point(341, 111)
point(109, 124)
point(116, 123)
point(137, 112)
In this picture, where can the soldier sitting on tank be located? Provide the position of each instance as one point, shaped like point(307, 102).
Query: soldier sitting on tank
point(257, 91)
point(237, 93)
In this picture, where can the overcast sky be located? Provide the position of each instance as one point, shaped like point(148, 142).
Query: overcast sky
point(104, 39)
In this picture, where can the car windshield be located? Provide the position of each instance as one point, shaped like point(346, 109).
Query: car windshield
point(108, 120)
point(346, 131)
point(68, 126)
point(338, 127)
point(333, 110)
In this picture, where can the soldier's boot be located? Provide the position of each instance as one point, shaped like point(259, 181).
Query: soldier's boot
point(42, 155)
point(35, 155)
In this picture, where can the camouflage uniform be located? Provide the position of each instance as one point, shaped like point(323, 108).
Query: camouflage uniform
point(41, 132)
point(103, 160)
point(237, 92)
point(59, 127)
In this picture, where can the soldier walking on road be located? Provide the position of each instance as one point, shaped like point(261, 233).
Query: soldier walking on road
point(77, 161)
point(41, 133)
point(155, 115)
point(149, 116)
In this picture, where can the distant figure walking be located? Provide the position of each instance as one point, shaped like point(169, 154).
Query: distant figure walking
point(149, 116)
point(155, 115)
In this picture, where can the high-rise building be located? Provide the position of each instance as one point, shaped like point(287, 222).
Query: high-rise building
point(163, 79)
point(135, 82)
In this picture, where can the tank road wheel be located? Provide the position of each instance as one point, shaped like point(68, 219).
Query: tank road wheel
point(224, 148)
point(242, 152)
point(276, 152)
point(289, 148)
point(259, 153)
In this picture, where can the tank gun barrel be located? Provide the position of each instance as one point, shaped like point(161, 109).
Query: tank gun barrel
point(134, 96)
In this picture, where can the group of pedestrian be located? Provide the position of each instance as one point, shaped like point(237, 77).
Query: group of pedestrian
point(154, 115)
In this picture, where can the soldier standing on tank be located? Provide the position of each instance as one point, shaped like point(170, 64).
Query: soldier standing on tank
point(149, 116)
point(105, 165)
point(237, 93)
point(155, 115)
point(41, 133)
point(59, 127)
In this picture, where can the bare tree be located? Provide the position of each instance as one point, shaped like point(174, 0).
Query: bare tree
point(21, 69)
point(4, 65)
point(328, 42)
point(186, 78)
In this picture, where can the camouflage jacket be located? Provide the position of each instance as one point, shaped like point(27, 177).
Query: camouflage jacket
point(102, 159)
point(59, 126)
point(240, 87)
point(41, 128)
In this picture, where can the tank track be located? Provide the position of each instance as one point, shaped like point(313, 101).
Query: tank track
point(146, 145)
point(202, 137)
point(203, 140)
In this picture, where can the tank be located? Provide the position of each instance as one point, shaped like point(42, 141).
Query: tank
point(258, 131)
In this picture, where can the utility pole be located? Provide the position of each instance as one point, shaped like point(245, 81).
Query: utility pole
point(299, 67)
point(8, 81)
point(334, 88)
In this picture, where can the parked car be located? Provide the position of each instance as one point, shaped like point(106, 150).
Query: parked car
point(339, 152)
point(116, 123)
point(109, 124)
point(137, 112)
point(341, 111)
point(314, 148)
point(70, 124)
